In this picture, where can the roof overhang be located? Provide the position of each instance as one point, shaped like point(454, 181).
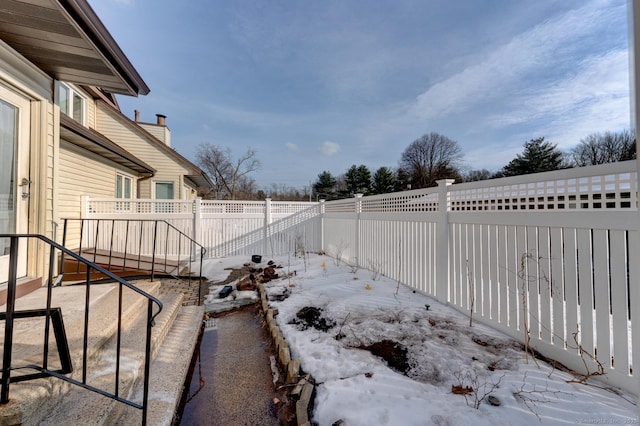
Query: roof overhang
point(89, 139)
point(67, 40)
point(199, 181)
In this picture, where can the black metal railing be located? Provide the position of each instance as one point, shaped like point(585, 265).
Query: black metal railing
point(151, 247)
point(51, 314)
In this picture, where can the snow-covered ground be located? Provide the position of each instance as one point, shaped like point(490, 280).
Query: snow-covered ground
point(443, 353)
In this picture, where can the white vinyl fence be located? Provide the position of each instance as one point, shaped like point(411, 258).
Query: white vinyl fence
point(557, 254)
point(224, 228)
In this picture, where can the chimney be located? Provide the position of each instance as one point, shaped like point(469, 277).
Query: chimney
point(162, 119)
point(137, 115)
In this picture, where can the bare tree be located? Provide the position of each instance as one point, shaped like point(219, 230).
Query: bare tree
point(430, 158)
point(229, 175)
point(601, 148)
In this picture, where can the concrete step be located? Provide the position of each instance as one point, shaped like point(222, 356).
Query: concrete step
point(80, 406)
point(32, 400)
point(168, 372)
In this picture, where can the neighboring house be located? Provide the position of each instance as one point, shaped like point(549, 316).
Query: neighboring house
point(175, 177)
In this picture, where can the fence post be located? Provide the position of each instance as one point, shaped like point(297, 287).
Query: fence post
point(197, 219)
point(84, 207)
point(442, 242)
point(322, 225)
point(267, 222)
point(358, 206)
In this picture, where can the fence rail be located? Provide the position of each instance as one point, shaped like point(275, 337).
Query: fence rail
point(556, 253)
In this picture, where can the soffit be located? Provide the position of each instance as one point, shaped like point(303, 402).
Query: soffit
point(67, 40)
point(199, 181)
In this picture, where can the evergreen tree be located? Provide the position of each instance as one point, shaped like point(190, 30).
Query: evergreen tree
point(364, 180)
point(384, 181)
point(357, 180)
point(325, 186)
point(538, 156)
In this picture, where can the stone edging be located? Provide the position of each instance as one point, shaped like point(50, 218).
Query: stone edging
point(303, 390)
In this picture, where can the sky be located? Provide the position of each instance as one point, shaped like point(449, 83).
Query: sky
point(320, 86)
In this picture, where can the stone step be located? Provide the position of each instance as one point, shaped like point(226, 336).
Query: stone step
point(32, 400)
point(80, 406)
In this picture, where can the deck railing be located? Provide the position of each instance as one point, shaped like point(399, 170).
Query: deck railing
point(150, 246)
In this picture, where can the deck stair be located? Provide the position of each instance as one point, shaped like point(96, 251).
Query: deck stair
point(53, 401)
point(120, 264)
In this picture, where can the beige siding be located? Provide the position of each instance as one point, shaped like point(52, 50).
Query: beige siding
point(168, 168)
point(160, 132)
point(91, 111)
point(82, 173)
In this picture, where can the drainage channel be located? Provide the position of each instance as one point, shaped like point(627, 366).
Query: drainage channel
point(232, 380)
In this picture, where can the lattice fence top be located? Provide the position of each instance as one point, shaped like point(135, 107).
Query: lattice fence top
point(612, 191)
point(138, 206)
point(233, 207)
point(605, 187)
point(410, 201)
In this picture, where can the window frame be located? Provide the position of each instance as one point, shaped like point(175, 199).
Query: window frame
point(123, 206)
point(69, 108)
point(160, 206)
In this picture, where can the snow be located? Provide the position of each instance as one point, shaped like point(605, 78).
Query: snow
point(359, 388)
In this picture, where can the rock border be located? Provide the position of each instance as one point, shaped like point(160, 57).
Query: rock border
point(303, 384)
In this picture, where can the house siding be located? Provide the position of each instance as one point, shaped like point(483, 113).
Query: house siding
point(168, 169)
point(83, 173)
point(160, 132)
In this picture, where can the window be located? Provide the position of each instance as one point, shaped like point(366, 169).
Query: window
point(164, 191)
point(123, 186)
point(71, 103)
point(8, 143)
point(123, 190)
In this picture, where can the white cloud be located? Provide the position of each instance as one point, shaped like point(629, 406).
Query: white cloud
point(293, 147)
point(597, 81)
point(509, 64)
point(595, 99)
point(329, 148)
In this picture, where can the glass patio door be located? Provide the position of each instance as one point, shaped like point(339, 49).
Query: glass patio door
point(14, 176)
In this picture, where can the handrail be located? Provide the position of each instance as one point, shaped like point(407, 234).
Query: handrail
point(86, 227)
point(44, 370)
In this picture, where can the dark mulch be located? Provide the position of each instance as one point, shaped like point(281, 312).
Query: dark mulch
point(394, 353)
point(310, 316)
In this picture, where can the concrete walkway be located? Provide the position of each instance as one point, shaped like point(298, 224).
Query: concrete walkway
point(232, 382)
